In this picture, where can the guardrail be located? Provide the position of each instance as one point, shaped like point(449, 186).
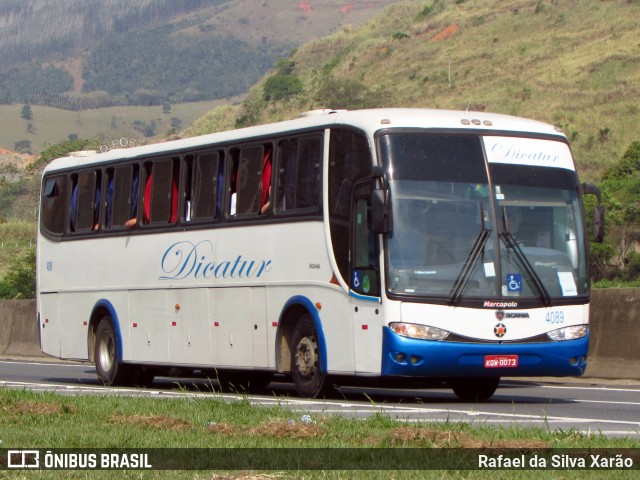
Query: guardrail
point(614, 350)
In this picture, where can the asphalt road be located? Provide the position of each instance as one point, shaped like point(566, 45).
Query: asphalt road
point(585, 405)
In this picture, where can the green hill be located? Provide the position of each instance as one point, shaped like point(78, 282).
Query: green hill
point(73, 55)
point(83, 58)
point(572, 64)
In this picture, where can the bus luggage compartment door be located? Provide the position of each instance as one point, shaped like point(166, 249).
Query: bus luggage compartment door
point(239, 327)
point(49, 324)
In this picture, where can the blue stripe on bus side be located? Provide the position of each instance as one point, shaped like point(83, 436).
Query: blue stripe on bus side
point(313, 311)
point(116, 323)
point(364, 297)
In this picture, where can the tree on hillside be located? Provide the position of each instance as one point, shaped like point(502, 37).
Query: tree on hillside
point(27, 114)
point(279, 87)
point(23, 146)
point(628, 166)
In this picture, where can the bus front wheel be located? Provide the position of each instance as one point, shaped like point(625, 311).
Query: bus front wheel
point(308, 378)
point(474, 389)
point(110, 371)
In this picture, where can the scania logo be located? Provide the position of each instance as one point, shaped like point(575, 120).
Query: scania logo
point(501, 315)
point(499, 330)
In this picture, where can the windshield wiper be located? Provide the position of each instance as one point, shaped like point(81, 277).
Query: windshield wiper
point(470, 262)
point(511, 243)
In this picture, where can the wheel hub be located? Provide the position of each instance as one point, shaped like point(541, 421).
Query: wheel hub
point(307, 357)
point(106, 353)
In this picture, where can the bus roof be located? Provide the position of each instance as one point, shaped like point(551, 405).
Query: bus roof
point(368, 120)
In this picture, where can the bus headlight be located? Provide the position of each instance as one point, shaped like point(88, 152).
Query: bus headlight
point(423, 332)
point(568, 333)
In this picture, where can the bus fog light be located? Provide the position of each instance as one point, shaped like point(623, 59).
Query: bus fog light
point(569, 333)
point(415, 360)
point(422, 332)
point(399, 357)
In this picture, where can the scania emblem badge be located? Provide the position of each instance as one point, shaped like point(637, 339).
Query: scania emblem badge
point(499, 314)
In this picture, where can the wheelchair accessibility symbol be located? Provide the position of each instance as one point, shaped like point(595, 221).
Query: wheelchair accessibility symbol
point(356, 281)
point(514, 282)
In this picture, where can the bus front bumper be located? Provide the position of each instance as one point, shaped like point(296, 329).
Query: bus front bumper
point(402, 356)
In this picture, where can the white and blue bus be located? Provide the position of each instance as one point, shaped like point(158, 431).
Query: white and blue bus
point(400, 244)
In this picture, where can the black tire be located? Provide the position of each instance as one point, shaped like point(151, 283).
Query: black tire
point(110, 371)
point(306, 360)
point(475, 389)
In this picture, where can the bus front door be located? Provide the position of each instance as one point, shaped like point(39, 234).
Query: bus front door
point(365, 285)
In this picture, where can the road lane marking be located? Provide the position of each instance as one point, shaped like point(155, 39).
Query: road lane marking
point(41, 364)
point(607, 402)
point(599, 389)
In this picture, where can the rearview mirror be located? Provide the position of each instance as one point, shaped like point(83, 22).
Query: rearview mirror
point(380, 211)
point(598, 224)
point(598, 211)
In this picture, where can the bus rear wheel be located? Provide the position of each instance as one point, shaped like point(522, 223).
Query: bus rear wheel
point(110, 371)
point(474, 389)
point(306, 360)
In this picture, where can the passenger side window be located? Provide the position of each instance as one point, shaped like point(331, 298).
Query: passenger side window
point(122, 195)
point(160, 200)
point(160, 195)
point(249, 173)
point(250, 179)
point(85, 202)
point(54, 204)
point(204, 186)
point(299, 161)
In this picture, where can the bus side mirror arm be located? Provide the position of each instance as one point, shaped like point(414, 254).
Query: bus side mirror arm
point(381, 222)
point(598, 211)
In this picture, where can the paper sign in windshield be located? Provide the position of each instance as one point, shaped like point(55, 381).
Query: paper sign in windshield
point(567, 284)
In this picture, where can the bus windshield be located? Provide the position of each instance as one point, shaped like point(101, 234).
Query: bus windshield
point(472, 221)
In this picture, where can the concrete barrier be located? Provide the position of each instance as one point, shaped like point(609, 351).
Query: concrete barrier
point(614, 343)
point(614, 349)
point(19, 328)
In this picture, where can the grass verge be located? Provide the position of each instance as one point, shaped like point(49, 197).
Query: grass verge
point(50, 421)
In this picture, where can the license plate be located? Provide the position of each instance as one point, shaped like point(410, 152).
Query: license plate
point(500, 361)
